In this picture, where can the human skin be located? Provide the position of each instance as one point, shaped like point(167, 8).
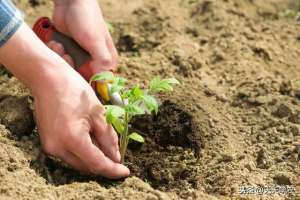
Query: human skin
point(70, 118)
point(83, 21)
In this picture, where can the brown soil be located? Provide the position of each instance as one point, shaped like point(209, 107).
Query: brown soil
point(234, 121)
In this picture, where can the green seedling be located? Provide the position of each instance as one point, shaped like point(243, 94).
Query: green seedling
point(135, 101)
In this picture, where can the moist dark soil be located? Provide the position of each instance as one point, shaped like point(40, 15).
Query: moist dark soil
point(234, 121)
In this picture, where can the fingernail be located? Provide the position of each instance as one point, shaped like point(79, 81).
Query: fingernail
point(127, 171)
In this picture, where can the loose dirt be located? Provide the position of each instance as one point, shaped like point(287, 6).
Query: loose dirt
point(234, 121)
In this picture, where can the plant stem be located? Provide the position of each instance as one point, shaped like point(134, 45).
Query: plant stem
point(123, 138)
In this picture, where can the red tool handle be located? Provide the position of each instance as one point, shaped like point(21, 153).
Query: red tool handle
point(46, 31)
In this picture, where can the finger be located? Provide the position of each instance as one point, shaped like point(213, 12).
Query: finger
point(56, 47)
point(113, 51)
point(105, 166)
point(95, 160)
point(68, 59)
point(105, 134)
point(107, 138)
point(59, 49)
point(51, 44)
point(102, 57)
point(97, 47)
point(73, 161)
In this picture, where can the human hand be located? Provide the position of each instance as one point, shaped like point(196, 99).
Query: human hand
point(69, 116)
point(83, 21)
point(72, 126)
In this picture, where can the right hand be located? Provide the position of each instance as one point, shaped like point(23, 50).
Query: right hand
point(70, 118)
point(72, 125)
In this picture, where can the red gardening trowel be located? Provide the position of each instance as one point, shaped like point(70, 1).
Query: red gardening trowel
point(46, 31)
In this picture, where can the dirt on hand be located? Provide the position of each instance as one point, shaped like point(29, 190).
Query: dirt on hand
point(233, 122)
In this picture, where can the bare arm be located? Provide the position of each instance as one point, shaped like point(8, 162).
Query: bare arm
point(69, 116)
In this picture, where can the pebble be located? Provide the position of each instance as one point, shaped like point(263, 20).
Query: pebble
point(295, 130)
point(282, 111)
point(226, 158)
point(282, 179)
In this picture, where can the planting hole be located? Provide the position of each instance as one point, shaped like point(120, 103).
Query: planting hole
point(168, 157)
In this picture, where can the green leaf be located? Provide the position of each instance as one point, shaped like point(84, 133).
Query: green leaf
point(133, 109)
point(136, 91)
point(103, 76)
point(115, 88)
point(117, 85)
point(136, 137)
point(120, 81)
point(157, 85)
point(151, 103)
point(154, 83)
point(113, 112)
point(118, 125)
point(171, 81)
point(125, 94)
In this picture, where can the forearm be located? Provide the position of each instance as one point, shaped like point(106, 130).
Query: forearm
point(30, 60)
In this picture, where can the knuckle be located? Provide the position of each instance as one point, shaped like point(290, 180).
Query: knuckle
point(107, 59)
point(59, 46)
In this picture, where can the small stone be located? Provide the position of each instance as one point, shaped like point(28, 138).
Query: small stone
point(282, 111)
point(279, 159)
point(295, 130)
point(286, 87)
point(297, 93)
point(295, 118)
point(296, 88)
point(226, 157)
point(263, 160)
point(151, 197)
point(222, 98)
point(282, 179)
point(250, 166)
point(260, 100)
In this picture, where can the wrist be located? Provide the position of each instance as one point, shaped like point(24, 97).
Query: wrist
point(50, 75)
point(32, 62)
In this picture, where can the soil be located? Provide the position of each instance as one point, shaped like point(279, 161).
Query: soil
point(233, 122)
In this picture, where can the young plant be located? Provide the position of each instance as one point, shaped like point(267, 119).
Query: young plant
point(134, 101)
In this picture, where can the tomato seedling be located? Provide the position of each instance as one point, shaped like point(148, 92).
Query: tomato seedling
point(135, 101)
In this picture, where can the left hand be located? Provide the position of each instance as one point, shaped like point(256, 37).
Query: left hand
point(83, 21)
